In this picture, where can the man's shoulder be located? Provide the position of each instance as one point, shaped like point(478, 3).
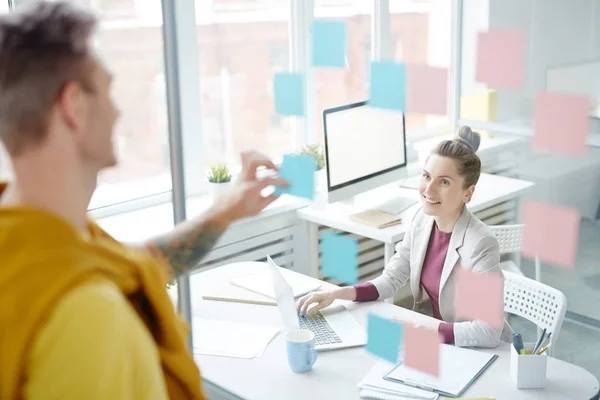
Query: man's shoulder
point(96, 307)
point(98, 293)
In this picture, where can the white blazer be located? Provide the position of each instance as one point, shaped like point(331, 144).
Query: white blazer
point(472, 245)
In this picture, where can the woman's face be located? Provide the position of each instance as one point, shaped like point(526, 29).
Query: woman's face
point(442, 188)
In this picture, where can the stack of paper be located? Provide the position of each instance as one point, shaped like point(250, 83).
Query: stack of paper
point(231, 339)
point(373, 386)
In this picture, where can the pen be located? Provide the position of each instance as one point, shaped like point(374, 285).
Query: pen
point(543, 349)
point(539, 342)
point(547, 340)
point(420, 385)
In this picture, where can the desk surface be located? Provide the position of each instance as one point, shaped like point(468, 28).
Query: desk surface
point(337, 373)
point(490, 190)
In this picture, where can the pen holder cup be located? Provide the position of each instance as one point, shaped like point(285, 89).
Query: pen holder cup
point(528, 371)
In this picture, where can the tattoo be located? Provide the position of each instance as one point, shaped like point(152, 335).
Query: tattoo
point(185, 246)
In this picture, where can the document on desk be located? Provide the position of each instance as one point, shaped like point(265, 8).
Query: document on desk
point(231, 339)
point(459, 368)
point(374, 386)
point(261, 282)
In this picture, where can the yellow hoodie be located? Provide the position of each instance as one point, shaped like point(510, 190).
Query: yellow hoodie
point(43, 258)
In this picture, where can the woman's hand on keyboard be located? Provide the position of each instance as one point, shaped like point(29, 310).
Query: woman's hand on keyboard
point(321, 299)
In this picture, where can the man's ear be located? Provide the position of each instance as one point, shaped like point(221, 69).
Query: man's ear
point(72, 106)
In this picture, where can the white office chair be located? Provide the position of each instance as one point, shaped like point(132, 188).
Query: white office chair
point(541, 304)
point(510, 238)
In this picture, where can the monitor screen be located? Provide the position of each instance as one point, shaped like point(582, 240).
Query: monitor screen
point(362, 142)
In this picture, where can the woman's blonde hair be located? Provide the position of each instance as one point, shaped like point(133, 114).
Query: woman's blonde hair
point(462, 150)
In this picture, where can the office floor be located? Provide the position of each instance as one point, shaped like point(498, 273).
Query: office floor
point(579, 341)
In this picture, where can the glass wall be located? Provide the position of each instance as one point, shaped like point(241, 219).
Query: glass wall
point(561, 54)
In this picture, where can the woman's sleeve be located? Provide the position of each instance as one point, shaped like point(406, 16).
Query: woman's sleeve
point(397, 271)
point(478, 333)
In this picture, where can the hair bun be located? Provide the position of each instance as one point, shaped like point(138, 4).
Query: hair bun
point(468, 137)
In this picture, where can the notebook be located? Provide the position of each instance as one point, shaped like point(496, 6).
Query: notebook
point(261, 282)
point(236, 294)
point(376, 218)
point(459, 368)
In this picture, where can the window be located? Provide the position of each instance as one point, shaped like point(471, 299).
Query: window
point(243, 43)
point(421, 34)
point(334, 86)
point(562, 53)
point(5, 169)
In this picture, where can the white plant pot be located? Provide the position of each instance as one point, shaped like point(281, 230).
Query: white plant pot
point(218, 189)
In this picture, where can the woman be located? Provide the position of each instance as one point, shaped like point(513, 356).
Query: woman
point(443, 235)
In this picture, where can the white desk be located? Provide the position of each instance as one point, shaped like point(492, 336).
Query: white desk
point(491, 190)
point(336, 373)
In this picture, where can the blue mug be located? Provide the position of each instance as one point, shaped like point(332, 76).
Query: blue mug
point(301, 351)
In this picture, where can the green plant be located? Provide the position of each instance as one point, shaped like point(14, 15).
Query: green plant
point(315, 151)
point(219, 173)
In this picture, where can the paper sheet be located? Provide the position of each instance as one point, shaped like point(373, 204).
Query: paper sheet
point(457, 368)
point(261, 282)
point(231, 339)
point(374, 381)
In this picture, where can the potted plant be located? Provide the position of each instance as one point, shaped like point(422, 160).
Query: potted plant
point(219, 179)
point(315, 151)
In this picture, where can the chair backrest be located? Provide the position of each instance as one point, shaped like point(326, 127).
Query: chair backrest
point(541, 304)
point(510, 237)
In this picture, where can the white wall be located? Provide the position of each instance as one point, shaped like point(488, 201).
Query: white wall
point(559, 32)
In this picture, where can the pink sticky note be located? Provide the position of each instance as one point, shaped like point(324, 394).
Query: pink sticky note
point(422, 349)
point(562, 123)
point(479, 296)
point(427, 90)
point(551, 233)
point(501, 58)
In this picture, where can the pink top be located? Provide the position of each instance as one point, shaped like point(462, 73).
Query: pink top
point(431, 274)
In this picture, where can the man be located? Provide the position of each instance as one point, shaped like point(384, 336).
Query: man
point(81, 315)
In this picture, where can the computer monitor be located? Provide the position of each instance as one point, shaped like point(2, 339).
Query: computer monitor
point(365, 147)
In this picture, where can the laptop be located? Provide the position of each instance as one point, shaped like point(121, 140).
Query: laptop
point(334, 327)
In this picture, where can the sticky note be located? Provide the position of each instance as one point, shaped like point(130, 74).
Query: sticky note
point(299, 172)
point(551, 233)
point(479, 297)
point(422, 349)
point(329, 43)
point(339, 257)
point(388, 86)
point(289, 94)
point(561, 123)
point(501, 58)
point(384, 337)
point(427, 90)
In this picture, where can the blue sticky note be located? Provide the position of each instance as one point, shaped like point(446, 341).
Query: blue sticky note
point(388, 85)
point(384, 337)
point(289, 94)
point(339, 257)
point(329, 44)
point(299, 171)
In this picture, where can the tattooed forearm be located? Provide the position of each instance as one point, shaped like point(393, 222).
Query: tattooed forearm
point(185, 246)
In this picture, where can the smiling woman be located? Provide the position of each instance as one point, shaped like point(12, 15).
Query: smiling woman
point(449, 178)
point(442, 237)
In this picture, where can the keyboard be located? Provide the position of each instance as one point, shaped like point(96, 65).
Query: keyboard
point(318, 325)
point(395, 205)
